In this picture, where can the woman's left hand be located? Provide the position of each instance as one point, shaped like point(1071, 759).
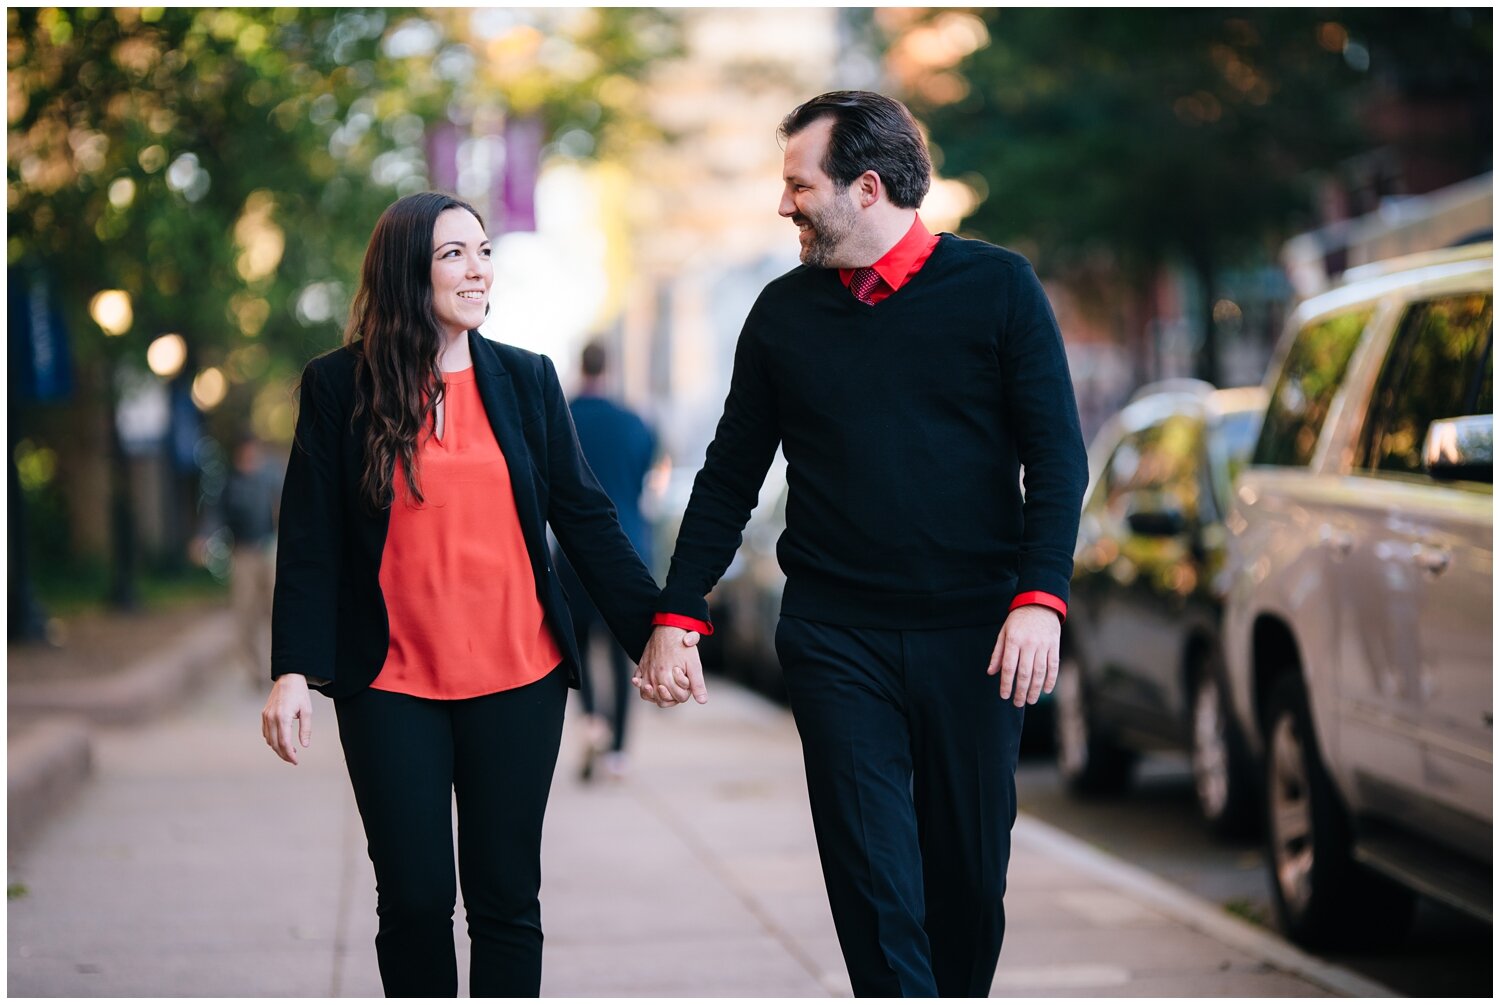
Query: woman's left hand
point(289, 703)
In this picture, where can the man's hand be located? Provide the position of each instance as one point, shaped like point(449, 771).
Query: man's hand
point(1026, 654)
point(670, 670)
point(287, 717)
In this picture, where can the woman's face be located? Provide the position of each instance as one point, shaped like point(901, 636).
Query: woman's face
point(461, 271)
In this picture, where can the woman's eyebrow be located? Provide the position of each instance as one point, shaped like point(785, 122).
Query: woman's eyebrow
point(461, 244)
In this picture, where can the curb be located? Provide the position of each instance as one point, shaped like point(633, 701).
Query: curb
point(46, 763)
point(1195, 912)
point(149, 686)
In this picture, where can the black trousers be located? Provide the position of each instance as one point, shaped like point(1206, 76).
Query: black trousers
point(910, 755)
point(407, 759)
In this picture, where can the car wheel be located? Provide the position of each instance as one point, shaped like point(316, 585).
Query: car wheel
point(1323, 898)
point(1222, 779)
point(1089, 762)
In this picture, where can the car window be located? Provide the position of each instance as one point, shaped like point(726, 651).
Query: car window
point(1435, 369)
point(1236, 435)
point(1161, 459)
point(1310, 378)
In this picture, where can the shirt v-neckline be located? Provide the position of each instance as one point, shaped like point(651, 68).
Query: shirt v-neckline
point(466, 376)
point(914, 277)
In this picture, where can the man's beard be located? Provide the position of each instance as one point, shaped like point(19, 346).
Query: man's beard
point(830, 227)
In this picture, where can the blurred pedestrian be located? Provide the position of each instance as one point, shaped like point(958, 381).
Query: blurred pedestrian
point(251, 497)
point(908, 377)
point(414, 587)
point(620, 449)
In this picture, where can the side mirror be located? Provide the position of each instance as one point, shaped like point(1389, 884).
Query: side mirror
point(1461, 449)
point(1154, 516)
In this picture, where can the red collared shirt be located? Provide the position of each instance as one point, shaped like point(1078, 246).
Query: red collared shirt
point(895, 268)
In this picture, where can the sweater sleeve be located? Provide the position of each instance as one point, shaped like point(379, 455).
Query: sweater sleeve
point(728, 487)
point(1049, 441)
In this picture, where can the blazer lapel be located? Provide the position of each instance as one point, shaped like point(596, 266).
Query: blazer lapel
point(497, 392)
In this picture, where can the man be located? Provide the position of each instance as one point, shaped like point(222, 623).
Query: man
point(620, 449)
point(251, 500)
point(908, 378)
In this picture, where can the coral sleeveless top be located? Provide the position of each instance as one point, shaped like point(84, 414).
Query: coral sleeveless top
point(464, 614)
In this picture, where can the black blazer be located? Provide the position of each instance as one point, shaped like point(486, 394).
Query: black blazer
point(329, 619)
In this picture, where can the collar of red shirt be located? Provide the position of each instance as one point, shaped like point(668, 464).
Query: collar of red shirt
point(907, 256)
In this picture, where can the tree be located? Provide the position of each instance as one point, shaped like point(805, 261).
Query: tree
point(1152, 136)
point(223, 167)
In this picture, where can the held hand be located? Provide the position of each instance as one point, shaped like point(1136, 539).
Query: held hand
point(289, 703)
point(1026, 654)
point(670, 670)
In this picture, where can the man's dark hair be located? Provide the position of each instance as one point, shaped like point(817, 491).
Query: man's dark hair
point(594, 359)
point(870, 133)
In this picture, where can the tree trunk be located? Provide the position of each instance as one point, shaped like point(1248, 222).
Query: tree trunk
point(123, 546)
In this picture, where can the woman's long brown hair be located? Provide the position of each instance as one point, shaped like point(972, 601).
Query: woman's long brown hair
point(394, 333)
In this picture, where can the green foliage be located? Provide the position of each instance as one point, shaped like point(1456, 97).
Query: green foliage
point(1184, 133)
point(1147, 133)
point(217, 163)
point(68, 588)
point(224, 167)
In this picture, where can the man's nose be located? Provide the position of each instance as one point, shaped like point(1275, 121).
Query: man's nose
point(787, 207)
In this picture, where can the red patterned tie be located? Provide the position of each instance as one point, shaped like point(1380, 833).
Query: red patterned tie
point(863, 283)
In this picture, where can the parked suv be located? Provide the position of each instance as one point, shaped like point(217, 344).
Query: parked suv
point(1358, 631)
point(1142, 664)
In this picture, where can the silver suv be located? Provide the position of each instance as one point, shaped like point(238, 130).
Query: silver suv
point(1358, 634)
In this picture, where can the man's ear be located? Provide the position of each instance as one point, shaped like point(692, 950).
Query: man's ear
point(868, 188)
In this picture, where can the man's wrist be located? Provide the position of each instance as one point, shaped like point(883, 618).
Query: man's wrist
point(1041, 598)
point(687, 624)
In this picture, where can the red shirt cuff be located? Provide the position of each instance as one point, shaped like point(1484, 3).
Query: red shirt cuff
point(685, 623)
point(1043, 599)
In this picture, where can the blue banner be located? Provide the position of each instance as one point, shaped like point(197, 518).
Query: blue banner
point(41, 366)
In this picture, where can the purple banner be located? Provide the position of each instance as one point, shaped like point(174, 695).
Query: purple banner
point(514, 198)
point(442, 156)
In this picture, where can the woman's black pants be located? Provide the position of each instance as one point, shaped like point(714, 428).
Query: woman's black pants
point(407, 759)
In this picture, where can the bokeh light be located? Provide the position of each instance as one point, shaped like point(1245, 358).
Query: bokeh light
point(209, 388)
point(167, 354)
point(111, 311)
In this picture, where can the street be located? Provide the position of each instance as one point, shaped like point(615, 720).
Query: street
point(1155, 826)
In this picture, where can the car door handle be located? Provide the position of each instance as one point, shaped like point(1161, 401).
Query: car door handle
point(1434, 560)
point(1341, 541)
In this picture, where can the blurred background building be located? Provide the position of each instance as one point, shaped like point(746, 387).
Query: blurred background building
point(189, 191)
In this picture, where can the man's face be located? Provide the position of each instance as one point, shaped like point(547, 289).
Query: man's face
point(824, 211)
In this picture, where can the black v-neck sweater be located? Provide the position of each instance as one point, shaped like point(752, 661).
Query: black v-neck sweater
point(905, 425)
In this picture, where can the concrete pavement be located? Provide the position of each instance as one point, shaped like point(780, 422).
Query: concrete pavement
point(196, 863)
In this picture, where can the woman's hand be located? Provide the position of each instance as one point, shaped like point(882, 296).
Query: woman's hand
point(289, 703)
point(670, 671)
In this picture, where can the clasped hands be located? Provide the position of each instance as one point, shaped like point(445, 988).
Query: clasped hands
point(670, 671)
point(1025, 659)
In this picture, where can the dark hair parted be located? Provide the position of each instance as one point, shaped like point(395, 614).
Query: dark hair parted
point(870, 133)
point(394, 331)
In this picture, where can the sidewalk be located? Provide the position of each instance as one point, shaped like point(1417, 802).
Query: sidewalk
point(196, 863)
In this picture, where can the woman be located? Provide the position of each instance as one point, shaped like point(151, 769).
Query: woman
point(414, 587)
